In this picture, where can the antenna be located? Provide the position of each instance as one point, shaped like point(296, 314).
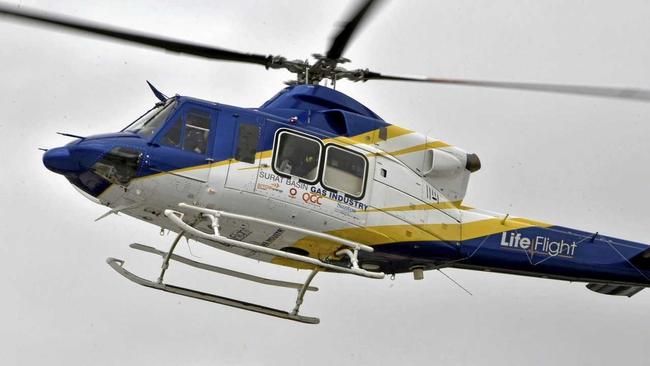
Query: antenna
point(455, 282)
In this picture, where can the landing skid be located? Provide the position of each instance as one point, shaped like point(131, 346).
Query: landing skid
point(350, 250)
point(224, 271)
point(118, 266)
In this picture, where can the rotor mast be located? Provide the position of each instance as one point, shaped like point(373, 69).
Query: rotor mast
point(323, 68)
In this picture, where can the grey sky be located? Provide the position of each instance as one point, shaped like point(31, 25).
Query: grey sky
point(579, 162)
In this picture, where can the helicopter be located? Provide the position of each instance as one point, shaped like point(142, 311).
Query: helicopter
point(315, 180)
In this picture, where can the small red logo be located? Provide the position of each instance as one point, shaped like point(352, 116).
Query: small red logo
point(312, 198)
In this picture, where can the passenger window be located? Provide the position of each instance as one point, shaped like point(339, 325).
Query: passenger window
point(190, 134)
point(249, 135)
point(345, 171)
point(297, 155)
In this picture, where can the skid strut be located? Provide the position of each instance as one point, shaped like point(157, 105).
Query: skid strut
point(168, 256)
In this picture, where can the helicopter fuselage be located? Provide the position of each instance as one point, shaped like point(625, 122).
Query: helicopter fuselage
point(314, 158)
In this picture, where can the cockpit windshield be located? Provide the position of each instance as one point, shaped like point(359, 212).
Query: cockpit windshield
point(150, 122)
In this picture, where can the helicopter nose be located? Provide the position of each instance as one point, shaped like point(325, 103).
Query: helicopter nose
point(74, 159)
point(59, 160)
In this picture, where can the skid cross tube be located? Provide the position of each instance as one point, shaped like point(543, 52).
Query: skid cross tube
point(177, 218)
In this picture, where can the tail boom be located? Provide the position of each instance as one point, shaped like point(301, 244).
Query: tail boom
point(611, 265)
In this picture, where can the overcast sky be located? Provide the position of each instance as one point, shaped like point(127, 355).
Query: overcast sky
point(575, 161)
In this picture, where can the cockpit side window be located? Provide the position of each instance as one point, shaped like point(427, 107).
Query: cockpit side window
point(344, 171)
point(297, 156)
point(173, 136)
point(190, 131)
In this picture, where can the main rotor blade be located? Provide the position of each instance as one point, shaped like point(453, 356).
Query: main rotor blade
point(133, 37)
point(596, 91)
point(345, 34)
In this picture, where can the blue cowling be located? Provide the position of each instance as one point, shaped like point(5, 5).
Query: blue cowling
point(59, 160)
point(72, 159)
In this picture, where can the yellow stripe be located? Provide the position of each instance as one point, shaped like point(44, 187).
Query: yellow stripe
point(423, 206)
point(373, 136)
point(477, 229)
point(364, 138)
point(251, 168)
point(420, 147)
point(449, 232)
point(264, 154)
point(378, 235)
point(396, 131)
